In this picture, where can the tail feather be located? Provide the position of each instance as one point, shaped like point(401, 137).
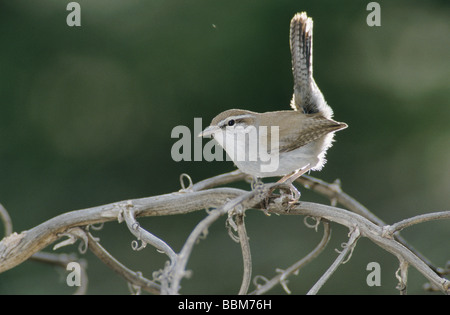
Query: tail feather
point(307, 96)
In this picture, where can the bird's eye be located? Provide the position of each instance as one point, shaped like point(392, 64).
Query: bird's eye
point(231, 122)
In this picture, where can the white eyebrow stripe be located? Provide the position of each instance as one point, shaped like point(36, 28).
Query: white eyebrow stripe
point(239, 117)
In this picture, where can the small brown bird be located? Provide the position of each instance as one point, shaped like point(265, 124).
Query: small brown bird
point(282, 143)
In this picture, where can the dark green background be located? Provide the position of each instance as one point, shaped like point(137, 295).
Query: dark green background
point(86, 115)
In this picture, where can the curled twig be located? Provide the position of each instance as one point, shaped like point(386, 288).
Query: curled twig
point(97, 227)
point(73, 234)
point(402, 276)
point(257, 279)
point(143, 235)
point(136, 247)
point(314, 226)
point(183, 187)
point(231, 227)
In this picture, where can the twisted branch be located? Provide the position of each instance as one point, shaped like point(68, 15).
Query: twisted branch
point(18, 247)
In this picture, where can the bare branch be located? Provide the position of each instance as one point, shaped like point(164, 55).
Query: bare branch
point(341, 259)
point(338, 196)
point(17, 247)
point(372, 231)
point(246, 254)
point(416, 220)
point(334, 192)
point(135, 278)
point(218, 180)
point(282, 276)
point(179, 269)
point(244, 201)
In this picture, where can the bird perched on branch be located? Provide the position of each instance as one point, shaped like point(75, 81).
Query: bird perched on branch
point(284, 143)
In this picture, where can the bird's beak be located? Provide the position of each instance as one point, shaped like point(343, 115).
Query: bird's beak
point(209, 131)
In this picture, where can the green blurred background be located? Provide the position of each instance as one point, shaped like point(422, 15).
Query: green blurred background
point(86, 115)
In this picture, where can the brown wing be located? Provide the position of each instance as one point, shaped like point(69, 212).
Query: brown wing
point(312, 128)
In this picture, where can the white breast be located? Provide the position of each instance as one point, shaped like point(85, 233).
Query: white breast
point(263, 161)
